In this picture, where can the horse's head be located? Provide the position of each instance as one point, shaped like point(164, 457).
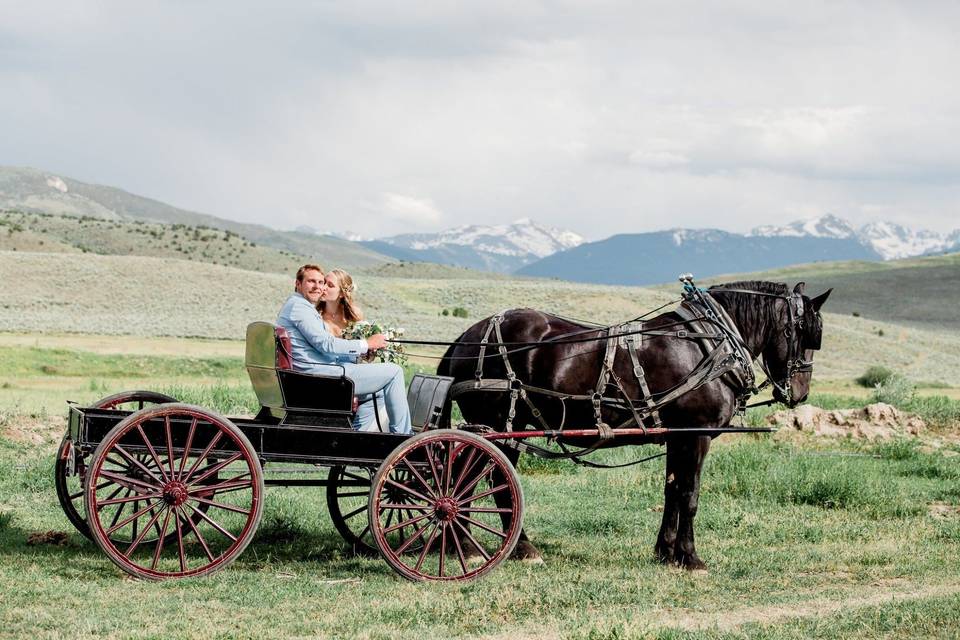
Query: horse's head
point(789, 354)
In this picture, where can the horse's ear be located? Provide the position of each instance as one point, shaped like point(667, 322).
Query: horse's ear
point(799, 287)
point(820, 299)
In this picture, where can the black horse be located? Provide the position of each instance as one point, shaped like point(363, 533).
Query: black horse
point(783, 328)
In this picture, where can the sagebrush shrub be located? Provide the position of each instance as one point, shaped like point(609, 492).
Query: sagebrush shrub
point(897, 390)
point(873, 376)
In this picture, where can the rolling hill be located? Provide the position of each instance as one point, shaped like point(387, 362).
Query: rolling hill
point(33, 191)
point(146, 296)
point(918, 292)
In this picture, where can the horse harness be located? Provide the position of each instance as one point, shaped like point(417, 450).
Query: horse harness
point(725, 356)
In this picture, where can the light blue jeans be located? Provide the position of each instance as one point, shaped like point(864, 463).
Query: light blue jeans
point(386, 380)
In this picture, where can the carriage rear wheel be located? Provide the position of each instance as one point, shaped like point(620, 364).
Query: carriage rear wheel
point(348, 494)
point(348, 498)
point(462, 504)
point(211, 523)
point(70, 487)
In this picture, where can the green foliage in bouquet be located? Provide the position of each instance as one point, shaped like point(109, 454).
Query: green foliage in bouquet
point(363, 330)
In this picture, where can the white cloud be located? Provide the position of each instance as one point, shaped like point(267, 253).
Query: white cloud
point(406, 209)
point(603, 118)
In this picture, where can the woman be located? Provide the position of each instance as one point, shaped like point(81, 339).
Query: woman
point(338, 310)
point(336, 306)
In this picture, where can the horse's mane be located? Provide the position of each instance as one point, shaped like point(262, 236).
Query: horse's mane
point(761, 286)
point(753, 314)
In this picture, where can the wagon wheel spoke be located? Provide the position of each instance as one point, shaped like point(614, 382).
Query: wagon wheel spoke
point(352, 494)
point(129, 498)
point(162, 536)
point(224, 487)
point(460, 556)
point(443, 545)
point(431, 456)
point(426, 547)
point(468, 465)
point(417, 534)
point(448, 467)
point(483, 526)
point(152, 451)
point(182, 556)
point(206, 452)
point(132, 460)
point(135, 515)
point(473, 541)
point(391, 506)
point(407, 489)
point(116, 515)
point(216, 525)
point(221, 505)
point(213, 468)
point(186, 448)
point(200, 538)
point(482, 494)
point(416, 474)
point(470, 485)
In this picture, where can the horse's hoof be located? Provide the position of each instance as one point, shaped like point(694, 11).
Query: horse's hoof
point(526, 552)
point(692, 563)
point(663, 555)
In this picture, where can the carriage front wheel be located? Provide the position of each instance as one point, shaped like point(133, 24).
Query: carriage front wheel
point(203, 485)
point(461, 504)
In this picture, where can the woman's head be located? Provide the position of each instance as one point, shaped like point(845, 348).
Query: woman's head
point(339, 293)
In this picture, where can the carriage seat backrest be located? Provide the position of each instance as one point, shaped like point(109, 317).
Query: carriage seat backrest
point(266, 352)
point(280, 388)
point(284, 352)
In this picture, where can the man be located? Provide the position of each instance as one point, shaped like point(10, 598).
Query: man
point(316, 350)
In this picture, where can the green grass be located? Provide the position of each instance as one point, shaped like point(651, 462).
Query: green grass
point(783, 527)
point(21, 362)
point(802, 538)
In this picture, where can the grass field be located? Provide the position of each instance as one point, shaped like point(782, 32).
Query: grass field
point(804, 538)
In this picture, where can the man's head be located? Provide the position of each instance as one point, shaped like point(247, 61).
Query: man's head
point(310, 283)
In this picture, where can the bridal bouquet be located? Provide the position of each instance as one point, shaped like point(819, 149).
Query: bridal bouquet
point(364, 329)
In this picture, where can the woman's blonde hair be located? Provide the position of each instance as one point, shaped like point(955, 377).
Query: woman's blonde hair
point(351, 311)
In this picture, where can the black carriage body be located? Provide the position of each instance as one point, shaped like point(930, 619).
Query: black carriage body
point(317, 445)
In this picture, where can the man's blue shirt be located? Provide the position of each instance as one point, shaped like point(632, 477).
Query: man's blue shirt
point(311, 344)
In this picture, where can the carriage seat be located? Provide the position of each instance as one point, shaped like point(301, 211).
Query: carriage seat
point(282, 391)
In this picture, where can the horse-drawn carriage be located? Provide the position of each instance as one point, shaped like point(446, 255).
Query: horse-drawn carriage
point(170, 490)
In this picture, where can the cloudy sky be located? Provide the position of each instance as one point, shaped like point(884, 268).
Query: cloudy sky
point(601, 117)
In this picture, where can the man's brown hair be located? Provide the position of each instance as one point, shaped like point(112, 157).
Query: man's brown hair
point(307, 267)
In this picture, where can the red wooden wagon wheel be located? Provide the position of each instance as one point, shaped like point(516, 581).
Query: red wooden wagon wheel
point(463, 504)
point(70, 487)
point(348, 498)
point(187, 445)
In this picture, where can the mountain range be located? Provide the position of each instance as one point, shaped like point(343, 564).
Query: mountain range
point(503, 248)
point(524, 247)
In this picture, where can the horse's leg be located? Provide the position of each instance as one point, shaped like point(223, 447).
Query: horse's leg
point(524, 549)
point(667, 538)
point(688, 493)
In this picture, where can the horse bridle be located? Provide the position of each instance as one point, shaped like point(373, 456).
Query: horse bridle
point(795, 362)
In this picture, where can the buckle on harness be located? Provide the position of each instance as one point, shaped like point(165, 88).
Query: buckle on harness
point(682, 333)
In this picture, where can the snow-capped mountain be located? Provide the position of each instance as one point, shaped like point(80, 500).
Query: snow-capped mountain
point(520, 238)
point(826, 226)
point(891, 241)
point(491, 247)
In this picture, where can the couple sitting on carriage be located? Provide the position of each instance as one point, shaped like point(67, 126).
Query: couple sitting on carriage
point(315, 317)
